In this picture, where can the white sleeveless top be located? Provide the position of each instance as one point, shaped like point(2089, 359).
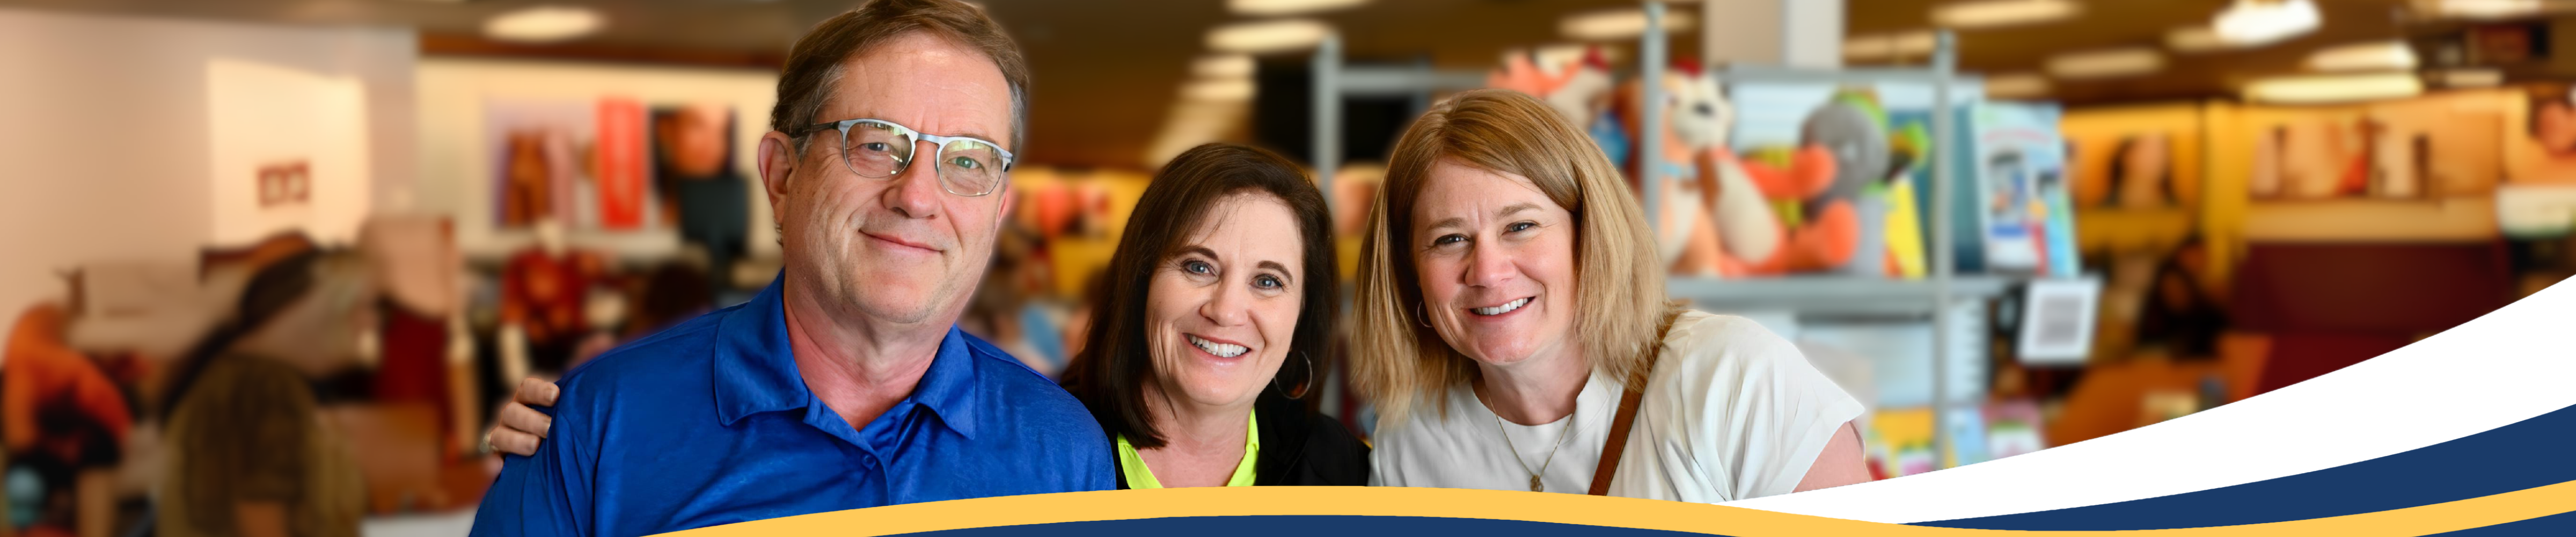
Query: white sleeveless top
point(1731, 412)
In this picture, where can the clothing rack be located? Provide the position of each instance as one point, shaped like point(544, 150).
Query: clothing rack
point(1936, 295)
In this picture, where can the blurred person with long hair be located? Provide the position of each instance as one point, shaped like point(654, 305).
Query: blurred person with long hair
point(1513, 331)
point(249, 454)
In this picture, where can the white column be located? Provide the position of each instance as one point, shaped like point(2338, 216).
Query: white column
point(1815, 37)
point(1797, 33)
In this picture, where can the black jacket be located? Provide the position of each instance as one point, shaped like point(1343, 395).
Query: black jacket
point(1298, 447)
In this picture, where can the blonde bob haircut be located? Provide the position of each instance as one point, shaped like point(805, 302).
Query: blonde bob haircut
point(1621, 309)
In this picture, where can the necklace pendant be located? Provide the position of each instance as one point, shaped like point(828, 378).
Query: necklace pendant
point(1535, 487)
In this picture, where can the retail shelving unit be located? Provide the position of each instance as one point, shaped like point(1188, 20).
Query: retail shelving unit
point(1935, 296)
point(1333, 81)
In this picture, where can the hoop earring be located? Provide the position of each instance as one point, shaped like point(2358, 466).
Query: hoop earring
point(1302, 387)
point(1419, 317)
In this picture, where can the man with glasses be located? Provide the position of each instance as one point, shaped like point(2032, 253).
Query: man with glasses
point(844, 384)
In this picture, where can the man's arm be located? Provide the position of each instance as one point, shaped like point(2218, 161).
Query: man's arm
point(542, 495)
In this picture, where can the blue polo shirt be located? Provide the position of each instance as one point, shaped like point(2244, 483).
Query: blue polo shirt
point(708, 423)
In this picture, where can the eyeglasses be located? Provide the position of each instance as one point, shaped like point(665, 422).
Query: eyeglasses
point(878, 149)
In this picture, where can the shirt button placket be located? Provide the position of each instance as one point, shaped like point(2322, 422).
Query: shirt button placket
point(884, 479)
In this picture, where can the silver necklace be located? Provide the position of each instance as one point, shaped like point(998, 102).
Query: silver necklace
point(1543, 463)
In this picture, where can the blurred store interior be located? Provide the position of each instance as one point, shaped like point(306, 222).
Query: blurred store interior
point(2075, 218)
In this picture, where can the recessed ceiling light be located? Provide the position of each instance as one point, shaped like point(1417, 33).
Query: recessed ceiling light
point(2106, 63)
point(1619, 24)
point(1223, 66)
point(2002, 13)
point(2263, 22)
point(1869, 47)
point(2196, 40)
point(2471, 78)
point(2319, 89)
point(1916, 43)
point(2387, 56)
point(1559, 55)
point(1218, 90)
point(1889, 46)
point(2483, 9)
point(1273, 8)
point(544, 24)
point(2017, 86)
point(1268, 36)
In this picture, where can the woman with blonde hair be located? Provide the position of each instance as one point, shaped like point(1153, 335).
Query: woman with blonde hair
point(1511, 326)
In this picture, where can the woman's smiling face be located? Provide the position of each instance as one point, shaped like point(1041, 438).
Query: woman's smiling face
point(1223, 305)
point(1495, 258)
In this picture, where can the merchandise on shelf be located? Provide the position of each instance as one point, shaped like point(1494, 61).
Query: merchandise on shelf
point(1694, 211)
point(2023, 203)
point(1827, 192)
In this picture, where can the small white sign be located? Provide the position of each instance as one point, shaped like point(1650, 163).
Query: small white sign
point(2057, 320)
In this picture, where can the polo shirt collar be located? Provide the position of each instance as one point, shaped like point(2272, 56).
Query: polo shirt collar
point(755, 368)
point(949, 388)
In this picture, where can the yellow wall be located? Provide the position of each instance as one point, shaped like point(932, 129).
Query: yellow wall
point(1075, 259)
point(2096, 133)
point(2230, 170)
point(2477, 136)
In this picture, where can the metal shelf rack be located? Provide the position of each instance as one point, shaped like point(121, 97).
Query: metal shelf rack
point(1930, 296)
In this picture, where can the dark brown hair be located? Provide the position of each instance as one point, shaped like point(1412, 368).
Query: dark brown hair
point(815, 65)
point(1111, 372)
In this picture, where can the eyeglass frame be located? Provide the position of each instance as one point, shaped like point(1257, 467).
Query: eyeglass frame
point(939, 146)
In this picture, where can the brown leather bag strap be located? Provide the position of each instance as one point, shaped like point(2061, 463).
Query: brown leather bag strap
point(1626, 419)
point(1610, 451)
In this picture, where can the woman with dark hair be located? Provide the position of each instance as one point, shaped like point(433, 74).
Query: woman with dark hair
point(1208, 331)
point(1210, 327)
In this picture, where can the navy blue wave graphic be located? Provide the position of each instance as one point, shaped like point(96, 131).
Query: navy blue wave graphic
point(2526, 454)
point(1307, 526)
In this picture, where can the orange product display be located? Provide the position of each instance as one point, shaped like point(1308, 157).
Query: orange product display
point(44, 370)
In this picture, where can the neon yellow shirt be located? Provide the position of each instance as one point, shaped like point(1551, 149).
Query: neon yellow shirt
point(1140, 477)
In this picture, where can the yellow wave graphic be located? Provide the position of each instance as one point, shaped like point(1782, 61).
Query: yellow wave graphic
point(1564, 509)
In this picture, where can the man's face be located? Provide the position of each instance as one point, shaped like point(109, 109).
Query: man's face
point(899, 249)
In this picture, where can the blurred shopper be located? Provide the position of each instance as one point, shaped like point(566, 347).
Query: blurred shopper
point(1514, 333)
point(543, 291)
point(695, 148)
point(668, 295)
point(849, 361)
point(1211, 327)
point(67, 425)
point(249, 454)
point(1003, 312)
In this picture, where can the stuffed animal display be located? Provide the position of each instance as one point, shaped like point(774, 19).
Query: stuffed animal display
point(1574, 82)
point(1697, 117)
point(1825, 205)
point(1830, 194)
